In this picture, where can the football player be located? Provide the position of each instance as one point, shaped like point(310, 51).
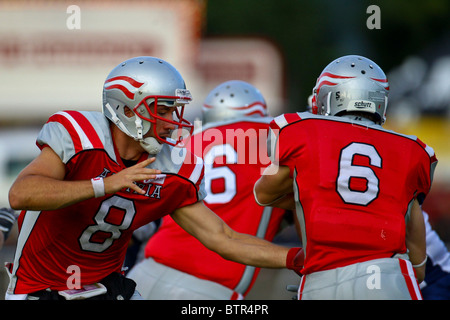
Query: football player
point(357, 188)
point(232, 142)
point(100, 176)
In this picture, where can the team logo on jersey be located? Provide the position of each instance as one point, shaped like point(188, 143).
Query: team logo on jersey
point(127, 85)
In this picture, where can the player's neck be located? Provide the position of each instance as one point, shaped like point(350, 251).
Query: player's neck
point(127, 147)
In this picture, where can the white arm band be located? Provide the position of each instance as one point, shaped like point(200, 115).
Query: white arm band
point(98, 186)
point(266, 204)
point(421, 264)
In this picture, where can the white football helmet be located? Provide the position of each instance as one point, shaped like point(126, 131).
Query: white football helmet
point(141, 84)
point(233, 99)
point(351, 83)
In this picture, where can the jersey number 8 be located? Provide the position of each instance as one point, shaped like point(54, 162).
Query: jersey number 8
point(102, 225)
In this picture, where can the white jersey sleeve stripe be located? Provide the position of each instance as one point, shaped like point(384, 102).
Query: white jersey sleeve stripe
point(280, 121)
point(85, 142)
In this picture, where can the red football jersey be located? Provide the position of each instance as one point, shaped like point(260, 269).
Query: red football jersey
point(234, 154)
point(91, 237)
point(354, 182)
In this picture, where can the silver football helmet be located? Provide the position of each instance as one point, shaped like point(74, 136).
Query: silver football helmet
point(351, 83)
point(233, 99)
point(141, 84)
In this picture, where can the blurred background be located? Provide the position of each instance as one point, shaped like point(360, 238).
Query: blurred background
point(55, 55)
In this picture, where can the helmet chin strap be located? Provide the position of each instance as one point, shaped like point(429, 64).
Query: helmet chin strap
point(116, 120)
point(151, 145)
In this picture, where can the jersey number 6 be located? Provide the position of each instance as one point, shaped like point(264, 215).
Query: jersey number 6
point(348, 170)
point(220, 172)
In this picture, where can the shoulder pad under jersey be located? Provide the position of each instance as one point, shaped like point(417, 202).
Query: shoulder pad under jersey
point(279, 123)
point(70, 132)
point(289, 118)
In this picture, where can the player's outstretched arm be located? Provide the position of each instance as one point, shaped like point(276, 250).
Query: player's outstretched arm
point(216, 235)
point(41, 185)
point(274, 188)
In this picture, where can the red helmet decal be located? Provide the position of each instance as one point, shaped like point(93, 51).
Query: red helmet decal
point(329, 79)
point(127, 85)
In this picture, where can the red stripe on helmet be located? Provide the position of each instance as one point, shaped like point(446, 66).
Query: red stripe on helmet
point(335, 76)
point(131, 81)
point(127, 92)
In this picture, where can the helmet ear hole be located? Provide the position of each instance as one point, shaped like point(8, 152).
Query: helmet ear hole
point(128, 112)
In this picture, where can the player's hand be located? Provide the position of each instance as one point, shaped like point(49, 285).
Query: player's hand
point(295, 259)
point(127, 177)
point(7, 219)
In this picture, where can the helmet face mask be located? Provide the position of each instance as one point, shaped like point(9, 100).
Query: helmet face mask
point(142, 84)
point(232, 100)
point(147, 111)
point(351, 84)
